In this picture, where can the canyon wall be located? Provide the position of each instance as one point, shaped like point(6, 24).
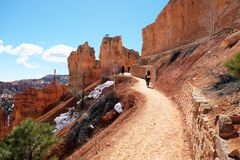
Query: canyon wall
point(33, 103)
point(113, 55)
point(185, 21)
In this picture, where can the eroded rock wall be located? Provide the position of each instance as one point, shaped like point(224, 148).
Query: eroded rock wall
point(33, 103)
point(82, 62)
point(184, 21)
point(113, 55)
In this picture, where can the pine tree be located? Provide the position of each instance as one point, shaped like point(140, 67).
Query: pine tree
point(29, 141)
point(233, 65)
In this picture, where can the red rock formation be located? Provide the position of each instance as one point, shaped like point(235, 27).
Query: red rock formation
point(114, 55)
point(33, 103)
point(82, 62)
point(184, 21)
point(3, 118)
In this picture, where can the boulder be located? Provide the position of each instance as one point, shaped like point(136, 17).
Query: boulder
point(231, 40)
point(206, 108)
point(235, 119)
point(109, 116)
point(118, 108)
point(225, 127)
point(234, 154)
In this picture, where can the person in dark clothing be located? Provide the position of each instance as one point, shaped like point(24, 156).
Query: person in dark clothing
point(123, 69)
point(148, 78)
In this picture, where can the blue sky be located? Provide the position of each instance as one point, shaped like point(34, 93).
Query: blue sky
point(36, 36)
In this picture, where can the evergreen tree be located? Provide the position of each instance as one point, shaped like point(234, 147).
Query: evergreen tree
point(233, 65)
point(29, 141)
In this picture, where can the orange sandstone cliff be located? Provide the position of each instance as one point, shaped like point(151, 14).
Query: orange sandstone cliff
point(185, 21)
point(113, 55)
point(33, 103)
point(82, 62)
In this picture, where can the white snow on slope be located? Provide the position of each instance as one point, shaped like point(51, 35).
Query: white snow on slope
point(98, 90)
point(65, 118)
point(68, 117)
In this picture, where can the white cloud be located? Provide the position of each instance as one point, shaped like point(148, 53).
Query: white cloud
point(23, 59)
point(6, 49)
point(25, 51)
point(3, 48)
point(57, 53)
point(28, 49)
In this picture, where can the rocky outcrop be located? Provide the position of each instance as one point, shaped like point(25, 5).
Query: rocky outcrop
point(33, 103)
point(225, 127)
point(231, 40)
point(235, 154)
point(184, 21)
point(113, 55)
point(82, 62)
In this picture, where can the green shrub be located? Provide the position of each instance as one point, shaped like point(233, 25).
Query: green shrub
point(29, 141)
point(233, 65)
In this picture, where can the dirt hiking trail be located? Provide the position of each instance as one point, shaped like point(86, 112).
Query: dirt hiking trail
point(154, 132)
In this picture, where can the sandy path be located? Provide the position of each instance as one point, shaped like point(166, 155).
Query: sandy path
point(155, 132)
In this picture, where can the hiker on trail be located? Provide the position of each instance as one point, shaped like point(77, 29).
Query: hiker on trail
point(147, 78)
point(128, 69)
point(123, 69)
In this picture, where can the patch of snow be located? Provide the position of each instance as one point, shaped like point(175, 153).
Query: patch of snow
point(65, 118)
point(79, 101)
point(91, 126)
point(118, 107)
point(98, 90)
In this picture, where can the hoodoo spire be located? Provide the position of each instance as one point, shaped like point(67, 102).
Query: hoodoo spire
point(54, 76)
